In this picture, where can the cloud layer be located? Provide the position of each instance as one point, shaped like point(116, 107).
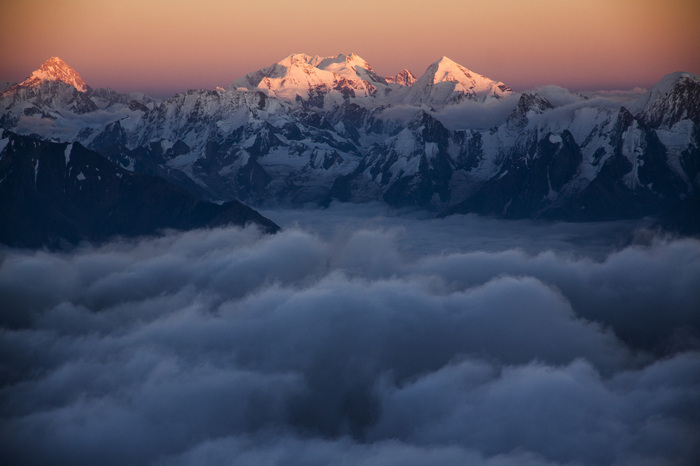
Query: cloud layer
point(349, 347)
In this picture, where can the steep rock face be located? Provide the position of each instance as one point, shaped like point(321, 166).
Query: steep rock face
point(52, 193)
point(403, 78)
point(528, 182)
point(46, 99)
point(236, 144)
point(411, 169)
point(528, 105)
point(634, 181)
point(674, 99)
point(619, 169)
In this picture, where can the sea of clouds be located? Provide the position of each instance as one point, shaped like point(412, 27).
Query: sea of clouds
point(355, 336)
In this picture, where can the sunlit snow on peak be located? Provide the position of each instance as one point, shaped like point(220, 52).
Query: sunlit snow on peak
point(55, 69)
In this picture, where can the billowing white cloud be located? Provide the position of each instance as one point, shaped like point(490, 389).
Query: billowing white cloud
point(366, 345)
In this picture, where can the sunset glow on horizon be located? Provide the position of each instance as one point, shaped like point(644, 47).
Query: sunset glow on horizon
point(162, 47)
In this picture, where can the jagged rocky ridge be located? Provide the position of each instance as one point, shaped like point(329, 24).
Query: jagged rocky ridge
point(313, 129)
point(57, 193)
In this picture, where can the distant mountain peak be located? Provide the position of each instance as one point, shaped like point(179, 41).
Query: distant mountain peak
point(300, 59)
point(55, 69)
point(674, 98)
point(354, 59)
point(667, 83)
point(447, 81)
point(300, 76)
point(333, 79)
point(447, 60)
point(446, 69)
point(403, 77)
point(350, 66)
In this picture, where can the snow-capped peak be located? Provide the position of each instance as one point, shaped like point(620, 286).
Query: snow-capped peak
point(332, 80)
point(664, 86)
point(403, 77)
point(343, 61)
point(674, 98)
point(55, 69)
point(447, 70)
point(300, 59)
point(300, 75)
point(447, 81)
point(351, 67)
point(669, 81)
point(301, 62)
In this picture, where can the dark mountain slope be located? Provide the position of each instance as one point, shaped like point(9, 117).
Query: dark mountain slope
point(53, 193)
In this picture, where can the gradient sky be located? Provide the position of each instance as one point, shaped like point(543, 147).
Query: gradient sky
point(165, 46)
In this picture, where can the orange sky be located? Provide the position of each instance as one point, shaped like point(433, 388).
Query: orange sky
point(165, 46)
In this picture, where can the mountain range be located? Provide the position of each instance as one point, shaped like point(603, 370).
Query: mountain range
point(312, 129)
point(54, 194)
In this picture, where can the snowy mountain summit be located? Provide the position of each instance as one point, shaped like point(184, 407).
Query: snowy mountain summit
point(55, 69)
point(305, 77)
point(403, 77)
point(448, 82)
point(55, 103)
point(320, 80)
